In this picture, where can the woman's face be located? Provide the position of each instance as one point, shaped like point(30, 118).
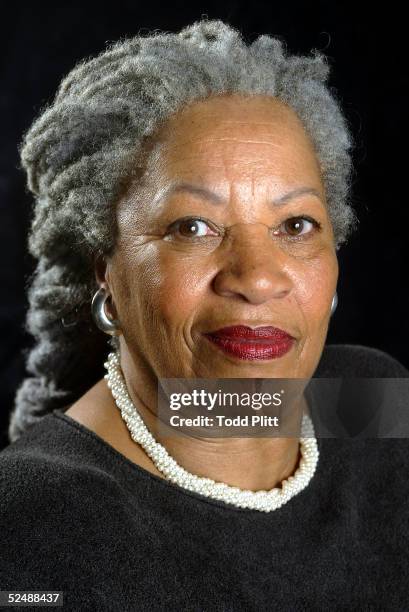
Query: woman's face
point(215, 239)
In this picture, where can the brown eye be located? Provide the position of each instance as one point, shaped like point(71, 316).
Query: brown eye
point(298, 226)
point(190, 227)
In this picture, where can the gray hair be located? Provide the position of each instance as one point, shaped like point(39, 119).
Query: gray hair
point(87, 145)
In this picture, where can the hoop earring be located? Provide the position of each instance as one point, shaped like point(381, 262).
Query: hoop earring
point(109, 326)
point(334, 303)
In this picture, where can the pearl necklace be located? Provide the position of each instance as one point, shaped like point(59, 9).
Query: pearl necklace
point(262, 500)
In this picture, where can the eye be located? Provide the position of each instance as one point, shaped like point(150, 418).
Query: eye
point(189, 227)
point(295, 227)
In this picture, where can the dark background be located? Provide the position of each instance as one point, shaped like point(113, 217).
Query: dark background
point(368, 53)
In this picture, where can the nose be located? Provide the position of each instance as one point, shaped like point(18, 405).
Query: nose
point(252, 265)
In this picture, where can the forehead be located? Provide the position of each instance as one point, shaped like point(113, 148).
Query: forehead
point(236, 135)
point(256, 109)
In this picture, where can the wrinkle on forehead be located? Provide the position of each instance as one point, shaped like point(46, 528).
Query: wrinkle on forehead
point(174, 146)
point(197, 139)
point(232, 109)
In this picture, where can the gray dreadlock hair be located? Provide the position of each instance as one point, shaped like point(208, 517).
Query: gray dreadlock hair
point(85, 147)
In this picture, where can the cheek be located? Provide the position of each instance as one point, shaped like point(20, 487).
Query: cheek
point(168, 287)
point(315, 284)
point(181, 286)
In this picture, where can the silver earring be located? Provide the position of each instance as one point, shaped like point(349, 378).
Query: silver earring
point(334, 303)
point(109, 326)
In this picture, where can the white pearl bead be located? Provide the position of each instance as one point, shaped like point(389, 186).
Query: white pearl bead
point(265, 501)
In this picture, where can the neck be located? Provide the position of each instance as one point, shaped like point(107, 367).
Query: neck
point(248, 463)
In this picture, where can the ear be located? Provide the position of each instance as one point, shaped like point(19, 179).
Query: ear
point(100, 269)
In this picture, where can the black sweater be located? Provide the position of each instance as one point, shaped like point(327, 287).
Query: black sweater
point(79, 517)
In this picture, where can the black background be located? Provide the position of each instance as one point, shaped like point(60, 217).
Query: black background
point(367, 49)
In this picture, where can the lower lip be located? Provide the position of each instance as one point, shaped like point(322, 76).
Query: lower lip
point(252, 350)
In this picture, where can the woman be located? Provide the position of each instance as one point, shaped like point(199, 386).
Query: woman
point(192, 192)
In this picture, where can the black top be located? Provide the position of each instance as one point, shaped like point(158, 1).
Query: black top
point(79, 517)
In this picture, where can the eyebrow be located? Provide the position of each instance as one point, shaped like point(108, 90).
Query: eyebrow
point(214, 198)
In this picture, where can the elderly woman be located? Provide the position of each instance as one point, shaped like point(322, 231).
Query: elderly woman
point(192, 192)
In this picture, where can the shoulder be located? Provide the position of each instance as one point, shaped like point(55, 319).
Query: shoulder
point(35, 510)
point(57, 494)
point(355, 360)
point(47, 513)
point(53, 467)
point(33, 475)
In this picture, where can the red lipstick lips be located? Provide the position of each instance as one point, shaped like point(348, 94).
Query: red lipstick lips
point(250, 344)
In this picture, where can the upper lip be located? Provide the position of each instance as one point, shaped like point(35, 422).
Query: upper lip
point(251, 333)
